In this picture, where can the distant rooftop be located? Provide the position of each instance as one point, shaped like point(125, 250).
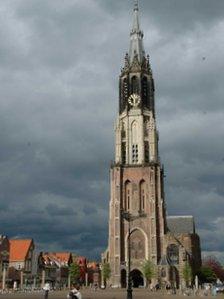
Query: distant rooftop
point(181, 224)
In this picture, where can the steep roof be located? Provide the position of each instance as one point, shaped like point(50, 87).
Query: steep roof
point(181, 224)
point(63, 256)
point(18, 249)
point(58, 258)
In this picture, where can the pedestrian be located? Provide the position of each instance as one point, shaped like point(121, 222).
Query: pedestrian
point(168, 287)
point(74, 293)
point(95, 286)
point(46, 289)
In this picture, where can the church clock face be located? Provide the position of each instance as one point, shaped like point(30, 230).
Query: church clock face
point(134, 100)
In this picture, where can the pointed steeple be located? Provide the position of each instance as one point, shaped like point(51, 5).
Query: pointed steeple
point(136, 36)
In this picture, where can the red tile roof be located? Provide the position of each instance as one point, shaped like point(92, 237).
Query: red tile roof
point(63, 256)
point(57, 257)
point(18, 249)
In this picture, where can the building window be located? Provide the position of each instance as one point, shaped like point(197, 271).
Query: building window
point(143, 199)
point(142, 195)
point(137, 245)
point(144, 90)
point(123, 152)
point(123, 134)
point(134, 153)
point(146, 152)
point(127, 196)
point(128, 200)
point(173, 253)
point(135, 85)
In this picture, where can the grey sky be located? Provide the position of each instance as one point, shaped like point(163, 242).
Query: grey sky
point(59, 68)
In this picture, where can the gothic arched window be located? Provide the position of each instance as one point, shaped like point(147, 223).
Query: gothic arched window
point(135, 85)
point(123, 152)
point(137, 240)
point(127, 196)
point(145, 90)
point(134, 139)
point(146, 152)
point(173, 253)
point(142, 195)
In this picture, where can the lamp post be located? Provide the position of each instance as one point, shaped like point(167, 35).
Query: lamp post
point(129, 217)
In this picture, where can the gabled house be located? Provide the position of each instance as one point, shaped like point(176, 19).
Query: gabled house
point(55, 267)
point(21, 255)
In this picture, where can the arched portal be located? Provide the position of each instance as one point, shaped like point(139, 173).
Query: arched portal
point(123, 278)
point(137, 278)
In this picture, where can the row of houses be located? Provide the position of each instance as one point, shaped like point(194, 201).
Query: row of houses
point(22, 267)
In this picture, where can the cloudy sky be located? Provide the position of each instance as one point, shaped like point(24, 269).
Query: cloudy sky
point(59, 67)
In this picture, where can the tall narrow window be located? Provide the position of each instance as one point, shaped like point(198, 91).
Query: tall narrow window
point(123, 152)
point(135, 85)
point(143, 200)
point(127, 196)
point(144, 90)
point(134, 140)
point(128, 200)
point(142, 195)
point(146, 152)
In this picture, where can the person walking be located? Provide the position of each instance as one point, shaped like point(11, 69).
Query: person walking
point(46, 289)
point(74, 292)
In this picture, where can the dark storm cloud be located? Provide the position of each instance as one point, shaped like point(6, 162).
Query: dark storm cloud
point(59, 67)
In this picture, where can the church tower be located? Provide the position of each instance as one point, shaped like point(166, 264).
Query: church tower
point(136, 176)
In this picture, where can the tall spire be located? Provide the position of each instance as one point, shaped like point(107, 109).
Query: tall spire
point(136, 5)
point(136, 43)
point(136, 26)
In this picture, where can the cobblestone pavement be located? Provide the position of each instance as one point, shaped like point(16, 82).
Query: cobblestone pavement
point(102, 294)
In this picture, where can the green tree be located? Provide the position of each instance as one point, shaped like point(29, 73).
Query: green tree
point(74, 272)
point(214, 264)
point(187, 274)
point(148, 270)
point(106, 272)
point(206, 274)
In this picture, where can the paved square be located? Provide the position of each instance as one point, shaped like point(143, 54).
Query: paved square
point(103, 294)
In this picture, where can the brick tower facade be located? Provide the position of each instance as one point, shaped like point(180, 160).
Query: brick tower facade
point(136, 180)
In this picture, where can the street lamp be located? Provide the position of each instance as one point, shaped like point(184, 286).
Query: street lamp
point(129, 217)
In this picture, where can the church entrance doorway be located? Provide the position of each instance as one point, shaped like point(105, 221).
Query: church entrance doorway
point(137, 278)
